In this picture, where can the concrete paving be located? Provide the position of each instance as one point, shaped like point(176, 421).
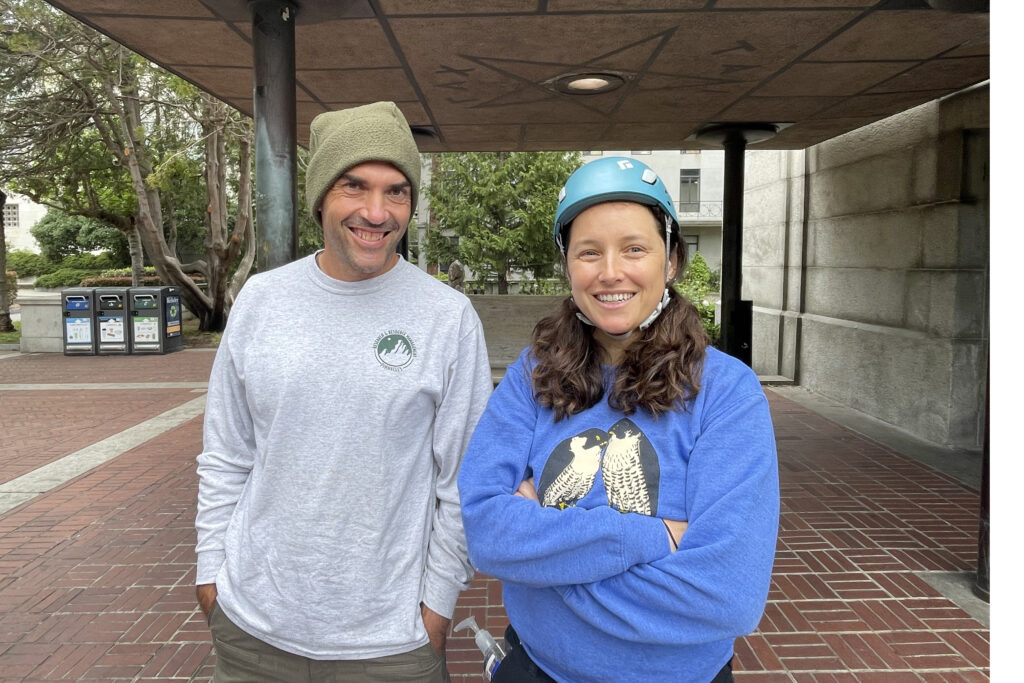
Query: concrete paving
point(97, 504)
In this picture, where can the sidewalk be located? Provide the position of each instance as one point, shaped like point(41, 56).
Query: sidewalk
point(97, 503)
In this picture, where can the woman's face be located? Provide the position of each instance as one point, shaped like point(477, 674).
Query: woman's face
point(616, 264)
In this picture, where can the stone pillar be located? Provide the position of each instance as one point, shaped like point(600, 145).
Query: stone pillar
point(41, 322)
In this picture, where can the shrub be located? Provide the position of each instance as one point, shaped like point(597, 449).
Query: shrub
point(700, 285)
point(64, 277)
point(98, 262)
point(27, 264)
point(104, 280)
point(126, 272)
point(544, 287)
point(150, 279)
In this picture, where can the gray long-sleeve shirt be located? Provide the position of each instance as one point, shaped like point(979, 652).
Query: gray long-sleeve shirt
point(336, 420)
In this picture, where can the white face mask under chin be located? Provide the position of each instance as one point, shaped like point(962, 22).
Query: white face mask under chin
point(643, 326)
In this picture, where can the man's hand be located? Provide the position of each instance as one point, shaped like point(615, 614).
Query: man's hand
point(437, 628)
point(206, 594)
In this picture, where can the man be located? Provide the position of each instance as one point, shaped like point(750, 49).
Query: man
point(346, 386)
point(457, 276)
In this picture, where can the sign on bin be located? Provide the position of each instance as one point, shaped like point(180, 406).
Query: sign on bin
point(156, 319)
point(111, 320)
point(78, 322)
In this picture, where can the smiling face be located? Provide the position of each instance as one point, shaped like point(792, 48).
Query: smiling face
point(616, 266)
point(364, 215)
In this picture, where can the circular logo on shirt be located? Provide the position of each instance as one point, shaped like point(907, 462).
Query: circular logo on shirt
point(394, 350)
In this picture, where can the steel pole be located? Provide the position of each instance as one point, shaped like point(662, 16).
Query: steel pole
point(273, 44)
point(733, 342)
point(981, 583)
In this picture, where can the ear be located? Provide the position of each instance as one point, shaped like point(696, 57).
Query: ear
point(673, 264)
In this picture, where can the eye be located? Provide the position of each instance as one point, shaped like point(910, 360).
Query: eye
point(400, 195)
point(350, 187)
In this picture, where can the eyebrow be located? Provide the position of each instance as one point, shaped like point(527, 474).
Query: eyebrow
point(634, 237)
point(352, 178)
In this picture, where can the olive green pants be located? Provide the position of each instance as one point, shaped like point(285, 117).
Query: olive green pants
point(242, 658)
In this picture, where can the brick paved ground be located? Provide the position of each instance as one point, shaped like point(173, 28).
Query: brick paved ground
point(96, 575)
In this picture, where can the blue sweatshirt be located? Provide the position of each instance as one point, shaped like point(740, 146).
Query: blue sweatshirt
point(590, 582)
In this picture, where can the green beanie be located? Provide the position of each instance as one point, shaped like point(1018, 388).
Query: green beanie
point(339, 140)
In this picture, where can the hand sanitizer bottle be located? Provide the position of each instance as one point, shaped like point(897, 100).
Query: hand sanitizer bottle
point(492, 652)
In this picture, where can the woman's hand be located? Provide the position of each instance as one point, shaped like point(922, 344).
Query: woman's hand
point(527, 490)
point(674, 528)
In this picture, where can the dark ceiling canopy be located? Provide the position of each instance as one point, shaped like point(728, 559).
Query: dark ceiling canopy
point(500, 74)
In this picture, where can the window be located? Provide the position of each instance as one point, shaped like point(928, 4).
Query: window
point(691, 242)
point(11, 216)
point(689, 190)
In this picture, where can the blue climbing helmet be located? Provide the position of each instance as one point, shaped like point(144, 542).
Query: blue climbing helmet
point(611, 179)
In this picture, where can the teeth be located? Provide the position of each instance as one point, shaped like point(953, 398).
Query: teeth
point(611, 298)
point(369, 236)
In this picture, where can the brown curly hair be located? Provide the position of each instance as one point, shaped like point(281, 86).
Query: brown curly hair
point(659, 372)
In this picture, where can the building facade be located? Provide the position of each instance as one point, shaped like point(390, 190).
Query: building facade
point(20, 214)
point(867, 259)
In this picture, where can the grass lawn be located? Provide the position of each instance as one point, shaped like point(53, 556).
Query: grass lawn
point(194, 339)
point(12, 337)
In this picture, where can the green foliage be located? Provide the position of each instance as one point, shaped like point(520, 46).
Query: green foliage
point(63, 277)
point(501, 206)
point(29, 264)
point(545, 287)
point(78, 111)
point(126, 272)
point(99, 262)
point(311, 235)
point(149, 280)
point(182, 188)
point(12, 337)
point(699, 284)
point(61, 235)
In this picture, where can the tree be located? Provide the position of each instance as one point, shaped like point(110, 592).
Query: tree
point(95, 130)
point(501, 205)
point(60, 235)
point(5, 307)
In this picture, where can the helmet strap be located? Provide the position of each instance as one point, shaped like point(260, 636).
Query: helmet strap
point(657, 311)
point(643, 326)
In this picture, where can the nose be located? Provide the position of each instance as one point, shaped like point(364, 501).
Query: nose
point(376, 207)
point(610, 268)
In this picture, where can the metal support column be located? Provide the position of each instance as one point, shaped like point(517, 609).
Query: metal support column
point(737, 314)
point(981, 582)
point(273, 43)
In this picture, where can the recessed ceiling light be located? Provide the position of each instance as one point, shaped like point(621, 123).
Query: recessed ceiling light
point(587, 83)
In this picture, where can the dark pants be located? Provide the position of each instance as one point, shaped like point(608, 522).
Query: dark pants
point(517, 667)
point(242, 658)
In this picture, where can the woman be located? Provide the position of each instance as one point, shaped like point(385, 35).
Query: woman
point(622, 482)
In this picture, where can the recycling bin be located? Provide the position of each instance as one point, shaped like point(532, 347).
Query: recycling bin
point(155, 319)
point(111, 330)
point(79, 310)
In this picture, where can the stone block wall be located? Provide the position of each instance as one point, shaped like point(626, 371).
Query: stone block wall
point(867, 260)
